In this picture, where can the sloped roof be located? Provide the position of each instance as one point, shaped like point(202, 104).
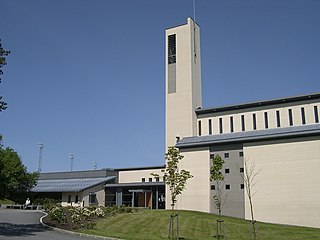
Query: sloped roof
point(257, 135)
point(69, 185)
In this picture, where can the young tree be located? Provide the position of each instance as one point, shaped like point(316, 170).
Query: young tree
point(3, 54)
point(14, 178)
point(175, 180)
point(217, 177)
point(219, 198)
point(249, 179)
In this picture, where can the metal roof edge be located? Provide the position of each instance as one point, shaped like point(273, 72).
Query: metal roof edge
point(258, 103)
point(262, 137)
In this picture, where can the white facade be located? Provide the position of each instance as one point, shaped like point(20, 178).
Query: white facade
point(281, 136)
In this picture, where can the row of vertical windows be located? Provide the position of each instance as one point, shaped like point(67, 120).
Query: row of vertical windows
point(150, 179)
point(266, 120)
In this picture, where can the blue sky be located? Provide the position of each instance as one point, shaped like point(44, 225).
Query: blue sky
point(88, 77)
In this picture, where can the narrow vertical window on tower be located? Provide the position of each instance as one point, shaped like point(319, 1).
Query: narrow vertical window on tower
point(199, 128)
point(220, 125)
point(210, 127)
point(303, 116)
point(266, 124)
point(171, 63)
point(316, 114)
point(171, 49)
point(290, 117)
point(278, 118)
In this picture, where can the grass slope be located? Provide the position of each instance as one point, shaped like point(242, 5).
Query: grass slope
point(193, 225)
point(5, 201)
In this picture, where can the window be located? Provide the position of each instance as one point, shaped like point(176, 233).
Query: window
point(220, 125)
point(76, 199)
point(211, 156)
point(290, 117)
point(226, 155)
point(278, 118)
point(241, 169)
point(171, 49)
point(210, 126)
point(266, 125)
point(227, 186)
point(243, 127)
point(227, 170)
point(143, 179)
point(316, 115)
point(157, 179)
point(242, 186)
point(303, 116)
point(213, 187)
point(199, 127)
point(92, 198)
point(240, 154)
point(231, 124)
point(69, 198)
point(150, 179)
point(254, 121)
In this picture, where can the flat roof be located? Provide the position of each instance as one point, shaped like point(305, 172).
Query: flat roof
point(250, 136)
point(69, 185)
point(139, 168)
point(258, 104)
point(135, 184)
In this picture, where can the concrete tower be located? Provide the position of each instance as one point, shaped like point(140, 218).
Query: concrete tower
point(183, 81)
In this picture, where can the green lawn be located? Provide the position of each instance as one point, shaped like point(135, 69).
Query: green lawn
point(5, 201)
point(193, 225)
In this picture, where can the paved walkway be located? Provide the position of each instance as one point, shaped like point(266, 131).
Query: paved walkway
point(25, 224)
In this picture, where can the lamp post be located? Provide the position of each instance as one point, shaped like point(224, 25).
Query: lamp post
point(41, 146)
point(71, 159)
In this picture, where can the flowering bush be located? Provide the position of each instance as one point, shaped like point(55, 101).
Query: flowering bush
point(82, 217)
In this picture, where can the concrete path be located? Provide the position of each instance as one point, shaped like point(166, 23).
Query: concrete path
point(25, 224)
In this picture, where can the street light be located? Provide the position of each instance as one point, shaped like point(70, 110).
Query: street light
point(71, 159)
point(40, 145)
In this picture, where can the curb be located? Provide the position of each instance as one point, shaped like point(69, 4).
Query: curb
point(74, 233)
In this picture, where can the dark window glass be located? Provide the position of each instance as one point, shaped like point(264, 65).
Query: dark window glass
point(150, 179)
point(220, 125)
point(199, 127)
point(316, 114)
point(92, 198)
point(211, 156)
point(227, 170)
point(213, 187)
point(171, 49)
point(231, 124)
point(210, 126)
point(243, 125)
point(143, 179)
point(241, 186)
point(241, 169)
point(278, 118)
point(226, 155)
point(240, 154)
point(77, 199)
point(254, 121)
point(228, 186)
point(303, 116)
point(157, 179)
point(69, 199)
point(266, 124)
point(290, 117)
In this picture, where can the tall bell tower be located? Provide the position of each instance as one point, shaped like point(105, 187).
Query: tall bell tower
point(183, 81)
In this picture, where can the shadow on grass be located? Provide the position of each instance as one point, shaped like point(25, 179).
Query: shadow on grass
point(12, 230)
